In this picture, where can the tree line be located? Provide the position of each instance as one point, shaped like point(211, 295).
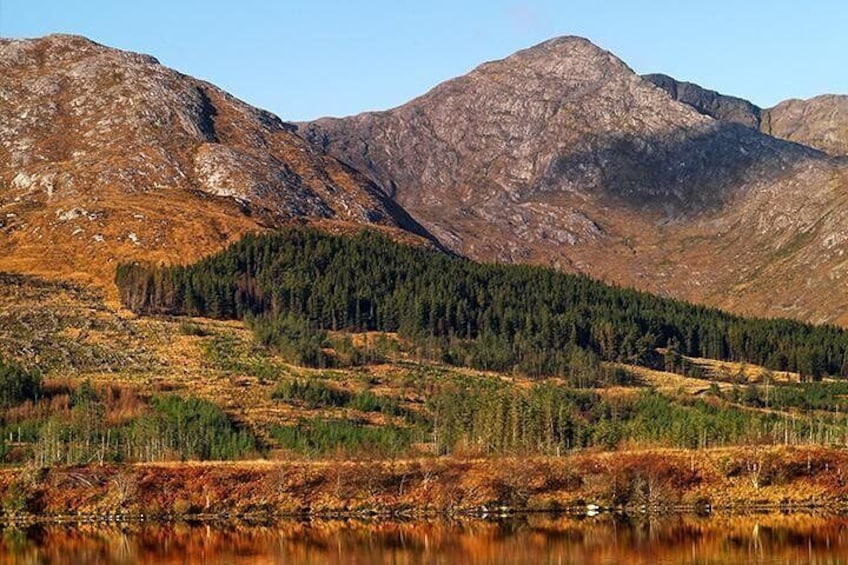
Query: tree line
point(491, 417)
point(296, 283)
point(83, 428)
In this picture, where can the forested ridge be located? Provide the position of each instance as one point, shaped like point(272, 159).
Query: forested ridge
point(293, 284)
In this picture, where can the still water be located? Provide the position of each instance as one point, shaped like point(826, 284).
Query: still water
point(533, 539)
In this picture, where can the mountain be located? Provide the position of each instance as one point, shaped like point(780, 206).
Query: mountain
point(107, 155)
point(820, 122)
point(561, 155)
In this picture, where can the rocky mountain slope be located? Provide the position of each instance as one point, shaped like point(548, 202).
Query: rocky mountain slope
point(709, 102)
point(820, 122)
point(561, 155)
point(107, 155)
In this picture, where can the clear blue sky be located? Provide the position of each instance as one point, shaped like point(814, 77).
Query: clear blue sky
point(307, 58)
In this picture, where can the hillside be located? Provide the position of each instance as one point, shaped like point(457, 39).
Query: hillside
point(561, 155)
point(107, 155)
point(433, 386)
point(87, 388)
point(539, 322)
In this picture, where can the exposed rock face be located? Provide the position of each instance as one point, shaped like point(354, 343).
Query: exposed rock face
point(564, 117)
point(561, 155)
point(106, 154)
point(709, 102)
point(820, 122)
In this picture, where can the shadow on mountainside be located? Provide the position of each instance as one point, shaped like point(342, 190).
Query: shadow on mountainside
point(683, 171)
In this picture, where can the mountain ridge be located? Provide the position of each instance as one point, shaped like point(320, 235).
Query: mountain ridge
point(820, 122)
point(558, 155)
point(709, 102)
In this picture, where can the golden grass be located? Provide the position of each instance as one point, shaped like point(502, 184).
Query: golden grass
point(741, 372)
point(672, 382)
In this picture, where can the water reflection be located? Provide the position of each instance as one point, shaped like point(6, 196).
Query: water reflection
point(533, 539)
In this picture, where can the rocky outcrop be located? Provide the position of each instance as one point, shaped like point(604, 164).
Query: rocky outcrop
point(820, 122)
point(709, 102)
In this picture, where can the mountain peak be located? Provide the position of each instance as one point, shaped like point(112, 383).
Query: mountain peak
point(518, 127)
point(69, 40)
point(561, 45)
point(65, 40)
point(567, 57)
point(60, 48)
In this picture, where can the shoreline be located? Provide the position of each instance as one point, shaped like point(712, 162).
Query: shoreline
point(750, 479)
point(268, 520)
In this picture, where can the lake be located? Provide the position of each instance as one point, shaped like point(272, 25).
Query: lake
point(535, 539)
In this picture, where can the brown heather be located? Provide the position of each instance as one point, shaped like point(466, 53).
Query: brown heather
point(738, 479)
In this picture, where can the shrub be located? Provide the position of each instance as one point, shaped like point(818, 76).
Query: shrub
point(193, 428)
point(293, 338)
point(367, 401)
point(192, 329)
point(312, 394)
point(320, 437)
point(17, 384)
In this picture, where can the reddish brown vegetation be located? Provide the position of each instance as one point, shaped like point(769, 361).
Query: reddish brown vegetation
point(660, 480)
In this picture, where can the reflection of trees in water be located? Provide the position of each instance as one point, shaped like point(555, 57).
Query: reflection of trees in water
point(528, 539)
